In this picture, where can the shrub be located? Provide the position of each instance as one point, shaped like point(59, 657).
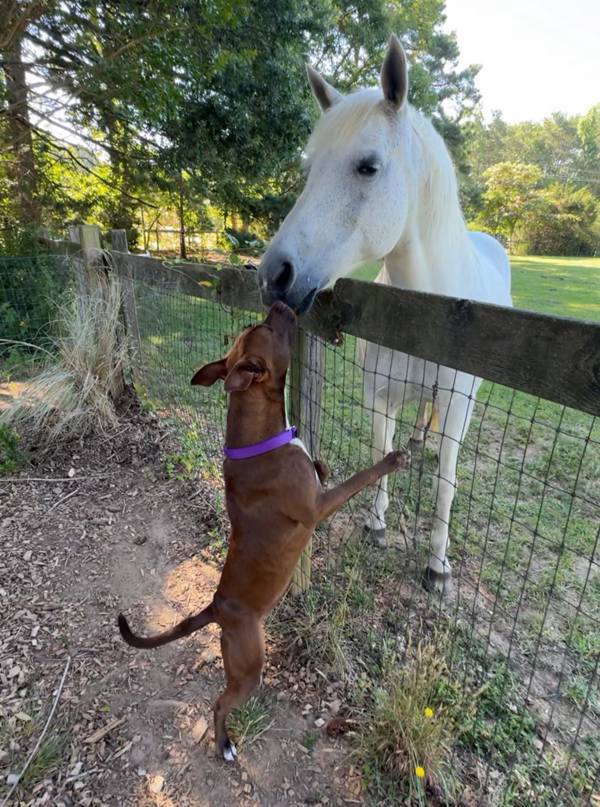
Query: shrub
point(30, 289)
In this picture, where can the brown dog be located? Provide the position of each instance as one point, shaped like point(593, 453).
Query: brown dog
point(274, 500)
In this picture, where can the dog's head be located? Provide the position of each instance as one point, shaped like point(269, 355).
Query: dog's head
point(260, 355)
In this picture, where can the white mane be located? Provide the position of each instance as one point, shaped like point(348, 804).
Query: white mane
point(443, 219)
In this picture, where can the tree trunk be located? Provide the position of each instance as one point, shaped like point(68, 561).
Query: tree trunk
point(21, 169)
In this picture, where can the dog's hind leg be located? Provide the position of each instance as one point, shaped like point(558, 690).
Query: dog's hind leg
point(243, 652)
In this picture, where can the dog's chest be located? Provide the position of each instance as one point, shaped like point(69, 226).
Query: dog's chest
point(298, 442)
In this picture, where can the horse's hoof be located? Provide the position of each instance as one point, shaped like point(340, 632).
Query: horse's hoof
point(229, 751)
point(415, 446)
point(440, 582)
point(376, 536)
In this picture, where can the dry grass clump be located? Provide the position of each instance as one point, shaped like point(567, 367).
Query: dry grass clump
point(78, 390)
point(407, 734)
point(248, 723)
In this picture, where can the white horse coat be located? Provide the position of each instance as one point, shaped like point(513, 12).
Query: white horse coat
point(381, 184)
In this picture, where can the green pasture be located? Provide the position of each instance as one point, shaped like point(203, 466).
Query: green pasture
point(566, 287)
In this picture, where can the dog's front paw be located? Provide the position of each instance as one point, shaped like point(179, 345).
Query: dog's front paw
point(396, 461)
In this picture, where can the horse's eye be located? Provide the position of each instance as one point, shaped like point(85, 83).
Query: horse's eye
point(367, 169)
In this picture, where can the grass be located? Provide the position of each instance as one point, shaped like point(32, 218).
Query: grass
point(407, 732)
point(564, 287)
point(250, 721)
point(77, 390)
point(15, 738)
point(12, 457)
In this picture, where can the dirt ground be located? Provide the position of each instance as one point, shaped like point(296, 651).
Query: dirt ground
point(97, 528)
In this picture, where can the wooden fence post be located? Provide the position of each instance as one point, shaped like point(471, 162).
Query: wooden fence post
point(73, 230)
point(94, 273)
point(118, 242)
point(306, 384)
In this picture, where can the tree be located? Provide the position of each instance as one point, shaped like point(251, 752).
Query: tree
point(510, 197)
point(563, 221)
point(212, 100)
point(588, 129)
point(352, 50)
point(20, 176)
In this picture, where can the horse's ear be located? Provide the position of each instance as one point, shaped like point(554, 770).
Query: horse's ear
point(325, 94)
point(394, 74)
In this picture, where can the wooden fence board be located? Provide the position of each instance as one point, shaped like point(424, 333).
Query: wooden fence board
point(194, 280)
point(553, 357)
point(62, 247)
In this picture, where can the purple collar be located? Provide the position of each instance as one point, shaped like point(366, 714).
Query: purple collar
point(281, 439)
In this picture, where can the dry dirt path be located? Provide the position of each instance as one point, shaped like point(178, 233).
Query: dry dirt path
point(102, 530)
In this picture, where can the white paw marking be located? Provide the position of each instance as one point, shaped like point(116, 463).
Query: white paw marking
point(230, 753)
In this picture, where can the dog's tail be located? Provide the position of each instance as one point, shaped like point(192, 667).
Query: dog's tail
point(178, 631)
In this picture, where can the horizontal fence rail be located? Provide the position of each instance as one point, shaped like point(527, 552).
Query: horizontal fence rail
point(554, 357)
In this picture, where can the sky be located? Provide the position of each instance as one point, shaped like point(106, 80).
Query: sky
point(537, 56)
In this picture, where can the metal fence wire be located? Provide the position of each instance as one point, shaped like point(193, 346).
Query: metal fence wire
point(520, 632)
point(519, 635)
point(32, 290)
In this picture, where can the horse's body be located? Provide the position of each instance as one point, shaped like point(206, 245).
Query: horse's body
point(381, 185)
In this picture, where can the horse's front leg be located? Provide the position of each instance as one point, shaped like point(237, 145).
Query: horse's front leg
point(455, 415)
point(384, 426)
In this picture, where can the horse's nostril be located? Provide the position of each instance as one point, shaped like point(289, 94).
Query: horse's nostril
point(286, 276)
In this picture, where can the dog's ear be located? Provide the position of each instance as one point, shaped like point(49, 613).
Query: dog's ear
point(207, 375)
point(243, 373)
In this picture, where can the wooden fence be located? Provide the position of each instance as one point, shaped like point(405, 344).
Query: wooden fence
point(555, 358)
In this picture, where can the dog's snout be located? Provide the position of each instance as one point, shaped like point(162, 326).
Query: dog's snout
point(282, 319)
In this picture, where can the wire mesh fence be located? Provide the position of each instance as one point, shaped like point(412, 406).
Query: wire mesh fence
point(519, 634)
point(31, 291)
point(521, 629)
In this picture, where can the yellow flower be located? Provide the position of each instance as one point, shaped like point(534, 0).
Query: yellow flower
point(420, 772)
point(428, 711)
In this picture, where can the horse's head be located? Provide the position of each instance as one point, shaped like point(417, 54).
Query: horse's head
point(355, 202)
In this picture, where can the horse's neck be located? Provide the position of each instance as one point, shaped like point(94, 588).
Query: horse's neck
point(440, 262)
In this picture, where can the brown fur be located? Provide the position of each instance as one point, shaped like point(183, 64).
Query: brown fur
point(274, 502)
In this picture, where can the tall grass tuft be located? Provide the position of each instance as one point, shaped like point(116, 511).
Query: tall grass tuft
point(406, 734)
point(77, 391)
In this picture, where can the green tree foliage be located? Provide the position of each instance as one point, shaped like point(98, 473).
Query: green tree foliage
point(556, 219)
point(588, 129)
point(351, 53)
point(563, 221)
point(559, 204)
point(510, 197)
point(206, 101)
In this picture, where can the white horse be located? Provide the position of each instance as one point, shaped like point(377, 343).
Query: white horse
point(381, 184)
